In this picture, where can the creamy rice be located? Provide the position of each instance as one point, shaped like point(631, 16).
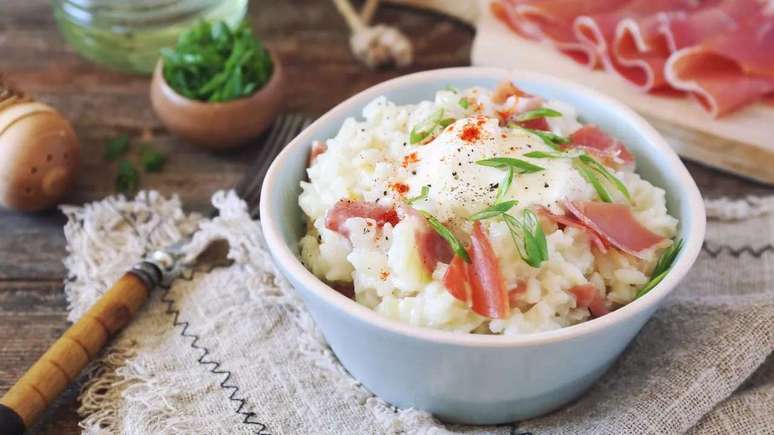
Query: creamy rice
point(373, 160)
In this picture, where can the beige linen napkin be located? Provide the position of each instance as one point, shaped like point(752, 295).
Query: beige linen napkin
point(233, 351)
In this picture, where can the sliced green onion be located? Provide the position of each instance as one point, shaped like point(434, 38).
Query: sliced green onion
point(463, 102)
point(452, 88)
point(447, 235)
point(543, 112)
point(518, 165)
point(422, 195)
point(502, 189)
point(446, 122)
point(551, 139)
point(426, 127)
point(590, 176)
point(492, 211)
point(546, 155)
point(600, 168)
point(528, 236)
point(662, 267)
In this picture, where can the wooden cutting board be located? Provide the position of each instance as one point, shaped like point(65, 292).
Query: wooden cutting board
point(741, 142)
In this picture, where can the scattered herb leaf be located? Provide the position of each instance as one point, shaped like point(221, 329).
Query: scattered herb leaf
point(127, 178)
point(662, 267)
point(528, 236)
point(591, 176)
point(520, 166)
point(422, 195)
point(212, 62)
point(447, 235)
point(428, 126)
point(502, 189)
point(600, 169)
point(543, 112)
point(492, 211)
point(152, 160)
point(116, 147)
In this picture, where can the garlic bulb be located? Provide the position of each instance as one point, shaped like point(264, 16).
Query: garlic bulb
point(39, 153)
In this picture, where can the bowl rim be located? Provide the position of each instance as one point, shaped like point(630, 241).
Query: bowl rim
point(288, 263)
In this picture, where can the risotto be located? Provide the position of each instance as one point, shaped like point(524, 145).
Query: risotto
point(484, 211)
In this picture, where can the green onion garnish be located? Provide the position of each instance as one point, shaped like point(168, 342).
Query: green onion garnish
point(464, 103)
point(492, 211)
point(662, 267)
point(502, 189)
point(591, 169)
point(543, 112)
point(447, 235)
point(429, 126)
point(519, 166)
point(528, 236)
point(422, 195)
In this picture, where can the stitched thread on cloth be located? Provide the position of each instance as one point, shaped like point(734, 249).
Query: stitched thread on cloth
point(234, 351)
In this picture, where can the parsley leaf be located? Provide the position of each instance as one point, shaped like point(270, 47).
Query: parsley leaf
point(127, 179)
point(116, 147)
point(152, 160)
point(212, 62)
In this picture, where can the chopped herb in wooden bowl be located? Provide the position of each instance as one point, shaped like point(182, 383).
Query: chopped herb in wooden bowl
point(212, 62)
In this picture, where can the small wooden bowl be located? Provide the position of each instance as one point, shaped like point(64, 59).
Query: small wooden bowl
point(218, 126)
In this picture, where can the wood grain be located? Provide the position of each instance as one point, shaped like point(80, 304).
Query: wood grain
point(312, 41)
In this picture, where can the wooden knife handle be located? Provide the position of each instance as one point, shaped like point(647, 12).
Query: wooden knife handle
point(21, 406)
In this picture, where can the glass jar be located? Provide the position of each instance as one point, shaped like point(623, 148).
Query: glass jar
point(128, 35)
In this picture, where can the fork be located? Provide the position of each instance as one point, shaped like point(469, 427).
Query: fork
point(22, 405)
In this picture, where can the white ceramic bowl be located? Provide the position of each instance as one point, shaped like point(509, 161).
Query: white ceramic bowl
point(468, 378)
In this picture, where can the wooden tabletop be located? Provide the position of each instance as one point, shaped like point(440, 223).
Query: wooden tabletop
point(312, 42)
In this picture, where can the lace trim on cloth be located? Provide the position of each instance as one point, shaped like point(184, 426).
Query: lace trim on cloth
point(212, 354)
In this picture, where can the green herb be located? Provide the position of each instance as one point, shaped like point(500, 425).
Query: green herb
point(600, 168)
point(464, 103)
point(429, 126)
point(543, 112)
point(528, 236)
point(502, 189)
point(492, 211)
point(127, 179)
point(549, 155)
point(447, 235)
point(152, 160)
point(662, 267)
point(116, 147)
point(551, 139)
point(214, 63)
point(452, 88)
point(422, 195)
point(591, 170)
point(520, 166)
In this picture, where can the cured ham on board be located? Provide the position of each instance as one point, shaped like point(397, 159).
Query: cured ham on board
point(720, 52)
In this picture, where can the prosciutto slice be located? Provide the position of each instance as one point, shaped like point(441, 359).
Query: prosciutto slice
point(571, 221)
point(616, 224)
point(729, 69)
point(346, 209)
point(721, 52)
point(588, 296)
point(551, 20)
point(594, 140)
point(480, 283)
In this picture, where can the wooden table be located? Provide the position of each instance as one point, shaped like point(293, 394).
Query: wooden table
point(312, 41)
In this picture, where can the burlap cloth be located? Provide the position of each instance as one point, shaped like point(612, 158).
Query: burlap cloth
point(233, 351)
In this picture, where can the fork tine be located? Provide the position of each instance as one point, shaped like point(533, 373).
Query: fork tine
point(285, 129)
point(244, 183)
